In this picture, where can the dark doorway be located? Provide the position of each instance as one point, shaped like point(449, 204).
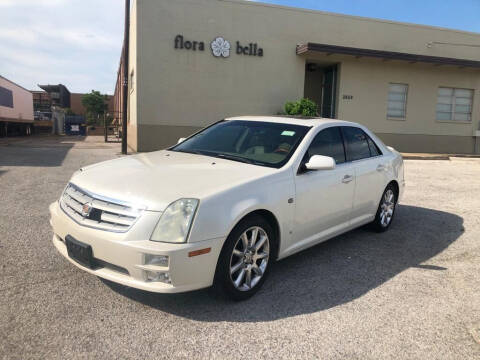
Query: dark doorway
point(321, 86)
point(329, 92)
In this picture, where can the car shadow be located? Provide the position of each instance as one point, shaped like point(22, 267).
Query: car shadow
point(327, 275)
point(35, 155)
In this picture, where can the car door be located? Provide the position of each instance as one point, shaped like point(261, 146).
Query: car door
point(324, 198)
point(367, 160)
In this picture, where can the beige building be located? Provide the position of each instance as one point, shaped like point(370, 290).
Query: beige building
point(194, 62)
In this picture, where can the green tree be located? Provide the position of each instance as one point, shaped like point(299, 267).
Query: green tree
point(96, 105)
point(302, 107)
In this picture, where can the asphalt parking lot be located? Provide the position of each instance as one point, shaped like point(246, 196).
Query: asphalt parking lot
point(412, 293)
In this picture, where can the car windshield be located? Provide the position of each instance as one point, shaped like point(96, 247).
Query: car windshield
point(254, 142)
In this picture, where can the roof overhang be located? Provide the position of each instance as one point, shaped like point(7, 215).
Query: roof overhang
point(313, 48)
point(50, 88)
point(54, 88)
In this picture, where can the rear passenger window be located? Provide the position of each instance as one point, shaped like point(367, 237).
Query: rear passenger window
point(356, 142)
point(374, 150)
point(328, 142)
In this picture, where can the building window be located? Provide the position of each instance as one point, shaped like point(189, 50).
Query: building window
point(6, 97)
point(397, 101)
point(454, 104)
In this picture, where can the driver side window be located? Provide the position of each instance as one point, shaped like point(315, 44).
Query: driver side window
point(328, 142)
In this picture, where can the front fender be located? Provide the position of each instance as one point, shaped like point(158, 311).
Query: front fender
point(220, 213)
point(249, 207)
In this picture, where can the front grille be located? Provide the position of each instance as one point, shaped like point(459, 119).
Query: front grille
point(98, 212)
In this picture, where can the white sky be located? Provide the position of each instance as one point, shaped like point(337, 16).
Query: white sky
point(73, 42)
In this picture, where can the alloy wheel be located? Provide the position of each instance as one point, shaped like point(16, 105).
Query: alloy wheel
point(387, 208)
point(249, 259)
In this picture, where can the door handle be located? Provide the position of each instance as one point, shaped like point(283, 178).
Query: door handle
point(347, 179)
point(380, 167)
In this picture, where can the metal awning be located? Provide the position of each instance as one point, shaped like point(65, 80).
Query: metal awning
point(313, 48)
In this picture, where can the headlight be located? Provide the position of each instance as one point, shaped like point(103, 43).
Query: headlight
point(175, 222)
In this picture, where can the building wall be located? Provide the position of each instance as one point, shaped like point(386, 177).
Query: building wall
point(440, 144)
point(368, 82)
point(178, 91)
point(132, 85)
point(22, 110)
point(118, 94)
point(76, 104)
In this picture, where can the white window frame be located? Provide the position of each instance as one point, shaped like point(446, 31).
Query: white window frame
point(453, 104)
point(393, 117)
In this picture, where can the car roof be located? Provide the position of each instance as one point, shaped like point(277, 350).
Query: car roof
point(293, 120)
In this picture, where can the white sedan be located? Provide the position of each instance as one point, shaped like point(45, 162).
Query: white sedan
point(219, 207)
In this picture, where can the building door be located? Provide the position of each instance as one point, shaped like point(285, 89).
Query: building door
point(329, 98)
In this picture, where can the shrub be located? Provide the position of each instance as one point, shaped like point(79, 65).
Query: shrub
point(302, 107)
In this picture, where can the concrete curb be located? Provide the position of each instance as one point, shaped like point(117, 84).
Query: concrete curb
point(425, 157)
point(412, 156)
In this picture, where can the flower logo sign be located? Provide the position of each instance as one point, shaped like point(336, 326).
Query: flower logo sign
point(220, 47)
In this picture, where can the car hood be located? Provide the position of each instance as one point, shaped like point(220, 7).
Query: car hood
point(157, 179)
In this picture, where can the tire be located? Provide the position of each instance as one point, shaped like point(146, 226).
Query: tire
point(253, 262)
point(386, 210)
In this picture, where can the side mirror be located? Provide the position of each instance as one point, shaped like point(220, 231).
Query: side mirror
point(181, 140)
point(320, 162)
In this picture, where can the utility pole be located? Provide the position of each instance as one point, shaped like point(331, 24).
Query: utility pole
point(126, 41)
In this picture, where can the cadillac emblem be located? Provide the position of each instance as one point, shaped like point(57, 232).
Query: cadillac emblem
point(86, 209)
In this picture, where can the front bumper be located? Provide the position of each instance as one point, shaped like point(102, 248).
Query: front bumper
point(122, 255)
point(401, 191)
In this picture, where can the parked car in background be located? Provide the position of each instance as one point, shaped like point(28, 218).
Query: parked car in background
point(219, 207)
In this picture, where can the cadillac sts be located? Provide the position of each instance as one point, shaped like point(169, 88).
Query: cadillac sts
point(221, 206)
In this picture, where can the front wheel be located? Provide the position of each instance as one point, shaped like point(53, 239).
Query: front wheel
point(245, 258)
point(386, 210)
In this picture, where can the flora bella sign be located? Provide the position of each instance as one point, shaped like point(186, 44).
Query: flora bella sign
point(220, 47)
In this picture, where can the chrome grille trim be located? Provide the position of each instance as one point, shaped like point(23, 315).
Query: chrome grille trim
point(104, 214)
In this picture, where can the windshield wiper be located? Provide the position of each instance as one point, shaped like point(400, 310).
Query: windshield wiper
point(222, 156)
point(196, 152)
point(236, 158)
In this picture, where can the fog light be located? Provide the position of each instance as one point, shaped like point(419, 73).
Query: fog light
point(155, 276)
point(157, 260)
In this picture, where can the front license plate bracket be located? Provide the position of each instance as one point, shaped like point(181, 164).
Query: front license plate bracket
point(80, 252)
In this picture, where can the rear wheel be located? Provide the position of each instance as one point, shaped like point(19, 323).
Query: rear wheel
point(386, 210)
point(245, 258)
